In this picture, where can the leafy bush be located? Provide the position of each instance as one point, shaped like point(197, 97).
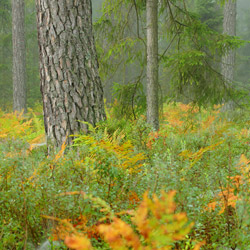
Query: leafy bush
point(157, 224)
point(197, 152)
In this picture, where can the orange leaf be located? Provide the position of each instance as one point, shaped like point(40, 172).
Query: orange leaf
point(61, 152)
point(140, 217)
point(119, 234)
point(78, 242)
point(198, 245)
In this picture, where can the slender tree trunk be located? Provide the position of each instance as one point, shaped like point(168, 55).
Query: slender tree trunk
point(152, 64)
point(229, 28)
point(70, 84)
point(19, 58)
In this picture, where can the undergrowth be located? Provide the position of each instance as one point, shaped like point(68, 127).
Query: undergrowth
point(93, 195)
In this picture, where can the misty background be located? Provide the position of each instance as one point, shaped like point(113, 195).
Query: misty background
point(125, 73)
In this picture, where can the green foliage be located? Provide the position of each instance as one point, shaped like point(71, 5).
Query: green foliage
point(195, 62)
point(190, 47)
point(16, 126)
point(155, 220)
point(120, 45)
point(130, 100)
point(210, 13)
point(197, 153)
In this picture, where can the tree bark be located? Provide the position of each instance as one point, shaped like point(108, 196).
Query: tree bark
point(229, 28)
point(70, 84)
point(152, 64)
point(19, 58)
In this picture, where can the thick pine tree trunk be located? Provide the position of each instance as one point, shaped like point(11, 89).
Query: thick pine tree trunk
point(70, 83)
point(152, 64)
point(229, 28)
point(19, 57)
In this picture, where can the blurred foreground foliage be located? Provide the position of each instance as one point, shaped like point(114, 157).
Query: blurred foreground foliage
point(114, 188)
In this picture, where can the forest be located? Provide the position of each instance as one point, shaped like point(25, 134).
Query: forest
point(124, 124)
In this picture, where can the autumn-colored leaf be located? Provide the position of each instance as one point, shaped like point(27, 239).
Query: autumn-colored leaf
point(72, 193)
point(198, 245)
point(195, 157)
point(227, 196)
point(119, 234)
point(155, 219)
point(133, 198)
point(140, 217)
point(61, 152)
point(78, 242)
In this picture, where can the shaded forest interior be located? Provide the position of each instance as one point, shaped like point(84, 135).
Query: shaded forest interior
point(124, 124)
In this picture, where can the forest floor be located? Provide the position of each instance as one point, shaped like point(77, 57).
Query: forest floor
point(123, 186)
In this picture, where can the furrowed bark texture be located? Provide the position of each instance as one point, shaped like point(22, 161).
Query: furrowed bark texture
point(19, 58)
point(152, 64)
point(229, 28)
point(70, 83)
